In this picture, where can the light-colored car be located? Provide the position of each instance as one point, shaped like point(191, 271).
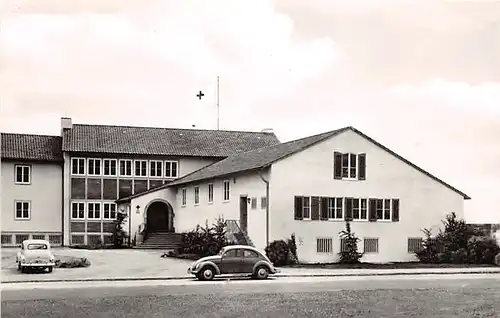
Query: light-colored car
point(233, 260)
point(35, 254)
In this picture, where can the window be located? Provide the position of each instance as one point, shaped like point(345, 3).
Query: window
point(125, 168)
point(78, 210)
point(109, 211)
point(263, 202)
point(343, 245)
point(94, 167)
point(183, 202)
point(415, 244)
point(253, 205)
point(210, 193)
point(250, 254)
point(383, 209)
point(23, 174)
point(141, 168)
point(371, 245)
point(94, 211)
point(324, 245)
point(77, 166)
point(359, 209)
point(234, 253)
point(225, 192)
point(335, 208)
point(349, 166)
point(156, 168)
point(306, 207)
point(109, 167)
point(171, 169)
point(196, 195)
point(23, 210)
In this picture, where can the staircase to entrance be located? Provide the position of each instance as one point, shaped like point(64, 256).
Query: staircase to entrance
point(161, 240)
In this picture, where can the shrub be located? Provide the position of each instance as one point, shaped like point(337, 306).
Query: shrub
point(292, 247)
point(278, 252)
point(458, 243)
point(349, 253)
point(119, 234)
point(204, 241)
point(73, 262)
point(497, 259)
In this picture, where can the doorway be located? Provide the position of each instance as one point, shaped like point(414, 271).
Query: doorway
point(244, 213)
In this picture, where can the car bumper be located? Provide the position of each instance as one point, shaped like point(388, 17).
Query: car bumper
point(47, 264)
point(192, 271)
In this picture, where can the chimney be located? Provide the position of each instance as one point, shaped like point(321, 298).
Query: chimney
point(267, 130)
point(66, 123)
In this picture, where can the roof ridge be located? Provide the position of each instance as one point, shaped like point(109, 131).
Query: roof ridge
point(173, 128)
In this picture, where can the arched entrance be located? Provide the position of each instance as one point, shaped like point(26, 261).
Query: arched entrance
point(159, 217)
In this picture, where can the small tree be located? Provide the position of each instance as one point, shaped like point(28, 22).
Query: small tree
point(119, 234)
point(349, 253)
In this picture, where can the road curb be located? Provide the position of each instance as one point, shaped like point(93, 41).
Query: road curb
point(118, 279)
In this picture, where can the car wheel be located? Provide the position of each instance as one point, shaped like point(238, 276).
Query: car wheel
point(261, 272)
point(50, 269)
point(207, 273)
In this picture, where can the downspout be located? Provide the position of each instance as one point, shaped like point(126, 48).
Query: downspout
point(267, 204)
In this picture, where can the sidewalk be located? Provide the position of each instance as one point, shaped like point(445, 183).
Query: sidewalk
point(119, 265)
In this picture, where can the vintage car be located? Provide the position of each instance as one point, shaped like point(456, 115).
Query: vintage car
point(35, 254)
point(233, 260)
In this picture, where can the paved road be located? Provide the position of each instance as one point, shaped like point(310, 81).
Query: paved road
point(423, 296)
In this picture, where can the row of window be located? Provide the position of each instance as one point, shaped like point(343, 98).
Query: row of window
point(370, 245)
point(346, 208)
point(93, 210)
point(210, 192)
point(124, 167)
point(349, 166)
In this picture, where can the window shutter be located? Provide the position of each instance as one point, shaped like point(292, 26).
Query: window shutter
point(314, 208)
point(337, 165)
point(362, 166)
point(348, 209)
point(372, 210)
point(395, 210)
point(298, 208)
point(324, 208)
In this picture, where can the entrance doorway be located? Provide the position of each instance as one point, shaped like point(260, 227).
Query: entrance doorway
point(159, 217)
point(243, 213)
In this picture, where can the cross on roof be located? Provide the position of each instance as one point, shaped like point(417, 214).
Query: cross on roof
point(200, 95)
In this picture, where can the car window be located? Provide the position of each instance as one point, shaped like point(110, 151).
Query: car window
point(250, 254)
point(233, 253)
point(37, 246)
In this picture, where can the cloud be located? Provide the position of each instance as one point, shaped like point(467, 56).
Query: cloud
point(155, 56)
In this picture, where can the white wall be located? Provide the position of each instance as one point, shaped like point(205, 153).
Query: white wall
point(423, 201)
point(250, 184)
point(44, 193)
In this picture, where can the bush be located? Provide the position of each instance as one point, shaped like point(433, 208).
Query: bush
point(278, 252)
point(73, 262)
point(349, 254)
point(204, 241)
point(497, 259)
point(458, 243)
point(119, 234)
point(292, 247)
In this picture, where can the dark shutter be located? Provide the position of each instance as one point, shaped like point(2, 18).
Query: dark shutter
point(324, 208)
point(348, 209)
point(362, 166)
point(395, 210)
point(337, 165)
point(298, 208)
point(314, 208)
point(372, 210)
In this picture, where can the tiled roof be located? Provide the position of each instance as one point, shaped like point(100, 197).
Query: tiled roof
point(31, 147)
point(255, 159)
point(163, 141)
point(262, 157)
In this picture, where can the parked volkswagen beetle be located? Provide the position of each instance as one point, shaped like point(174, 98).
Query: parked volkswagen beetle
point(233, 260)
point(35, 254)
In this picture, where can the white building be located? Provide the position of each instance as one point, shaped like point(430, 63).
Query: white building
point(309, 187)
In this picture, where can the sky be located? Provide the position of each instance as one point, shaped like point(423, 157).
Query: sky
point(421, 77)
